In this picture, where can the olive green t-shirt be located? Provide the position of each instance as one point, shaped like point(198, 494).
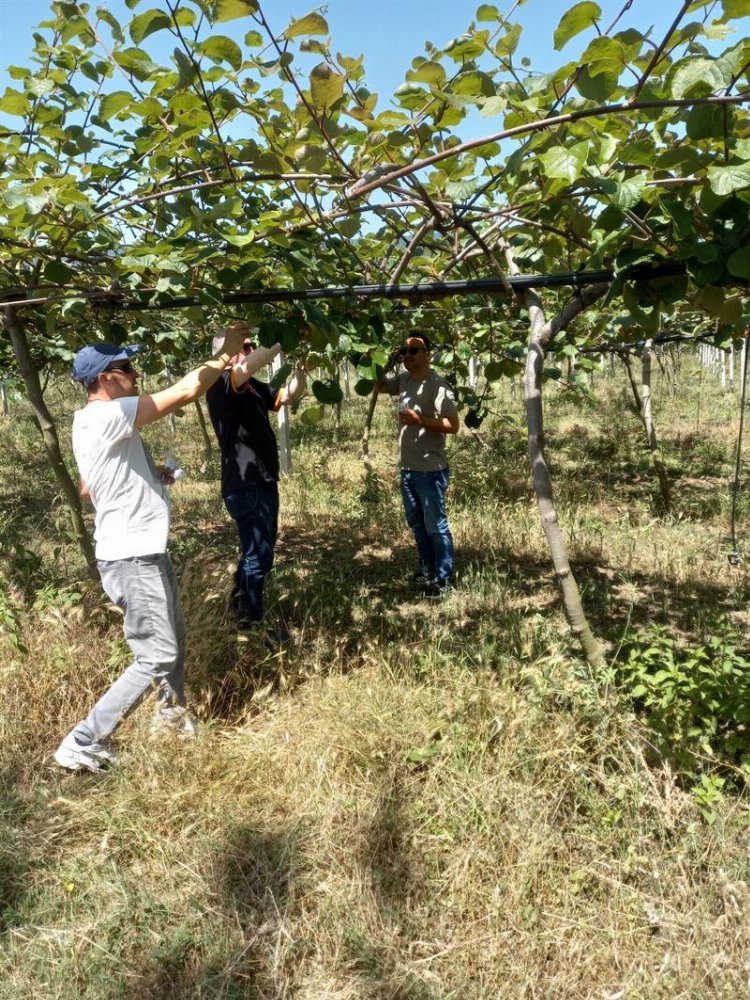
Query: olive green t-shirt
point(421, 450)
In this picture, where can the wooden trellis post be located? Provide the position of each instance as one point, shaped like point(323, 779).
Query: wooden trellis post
point(285, 445)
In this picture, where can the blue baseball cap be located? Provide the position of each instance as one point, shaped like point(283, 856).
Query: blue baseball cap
point(96, 358)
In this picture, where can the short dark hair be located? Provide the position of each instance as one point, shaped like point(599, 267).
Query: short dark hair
point(420, 336)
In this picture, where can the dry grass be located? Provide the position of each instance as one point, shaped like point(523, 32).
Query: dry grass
point(412, 802)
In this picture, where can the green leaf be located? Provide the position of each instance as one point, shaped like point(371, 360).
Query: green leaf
point(239, 239)
point(326, 86)
point(739, 263)
point(223, 49)
point(734, 8)
point(327, 392)
point(41, 86)
point(73, 307)
point(149, 108)
point(473, 83)
point(574, 21)
point(473, 419)
point(229, 10)
point(508, 43)
point(486, 12)
point(310, 157)
point(597, 87)
point(706, 122)
point(14, 103)
point(726, 179)
point(467, 47)
point(411, 96)
point(565, 163)
point(311, 24)
point(57, 273)
point(364, 386)
point(36, 203)
point(281, 376)
point(696, 78)
point(493, 106)
point(348, 227)
point(312, 415)
point(135, 61)
point(459, 191)
point(14, 197)
point(427, 72)
point(104, 15)
point(147, 23)
point(185, 66)
point(624, 194)
point(604, 55)
point(313, 45)
point(111, 104)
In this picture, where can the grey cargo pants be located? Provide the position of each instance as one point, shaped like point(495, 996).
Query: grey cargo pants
point(145, 588)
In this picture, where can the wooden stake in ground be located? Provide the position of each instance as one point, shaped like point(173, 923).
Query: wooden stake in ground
point(285, 443)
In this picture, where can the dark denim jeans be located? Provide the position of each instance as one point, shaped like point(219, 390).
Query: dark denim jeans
point(256, 512)
point(424, 505)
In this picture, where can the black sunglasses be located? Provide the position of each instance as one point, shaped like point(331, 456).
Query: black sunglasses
point(410, 350)
point(122, 366)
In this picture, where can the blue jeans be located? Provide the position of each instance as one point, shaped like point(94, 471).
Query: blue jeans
point(145, 589)
point(256, 513)
point(423, 494)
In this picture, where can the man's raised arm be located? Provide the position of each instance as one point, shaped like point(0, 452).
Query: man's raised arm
point(193, 385)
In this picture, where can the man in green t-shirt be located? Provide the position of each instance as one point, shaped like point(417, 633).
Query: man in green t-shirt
point(426, 412)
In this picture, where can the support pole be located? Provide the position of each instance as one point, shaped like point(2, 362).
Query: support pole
point(285, 444)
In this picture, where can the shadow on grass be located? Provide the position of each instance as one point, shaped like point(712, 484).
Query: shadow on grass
point(250, 954)
point(344, 590)
point(14, 867)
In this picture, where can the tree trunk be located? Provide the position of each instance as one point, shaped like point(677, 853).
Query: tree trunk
point(50, 438)
point(541, 334)
point(4, 398)
point(207, 446)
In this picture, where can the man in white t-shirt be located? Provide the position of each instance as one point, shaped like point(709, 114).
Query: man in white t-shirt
point(127, 490)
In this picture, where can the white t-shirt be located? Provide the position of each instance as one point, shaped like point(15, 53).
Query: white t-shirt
point(131, 502)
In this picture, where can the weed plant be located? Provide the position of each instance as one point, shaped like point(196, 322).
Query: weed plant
point(411, 802)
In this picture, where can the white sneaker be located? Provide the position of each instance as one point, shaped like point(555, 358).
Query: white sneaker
point(175, 720)
point(77, 756)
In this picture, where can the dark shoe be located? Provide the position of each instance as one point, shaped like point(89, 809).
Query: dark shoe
point(273, 637)
point(244, 624)
point(276, 638)
point(438, 590)
point(420, 579)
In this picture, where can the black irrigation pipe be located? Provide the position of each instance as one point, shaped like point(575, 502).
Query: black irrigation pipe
point(421, 290)
point(632, 348)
